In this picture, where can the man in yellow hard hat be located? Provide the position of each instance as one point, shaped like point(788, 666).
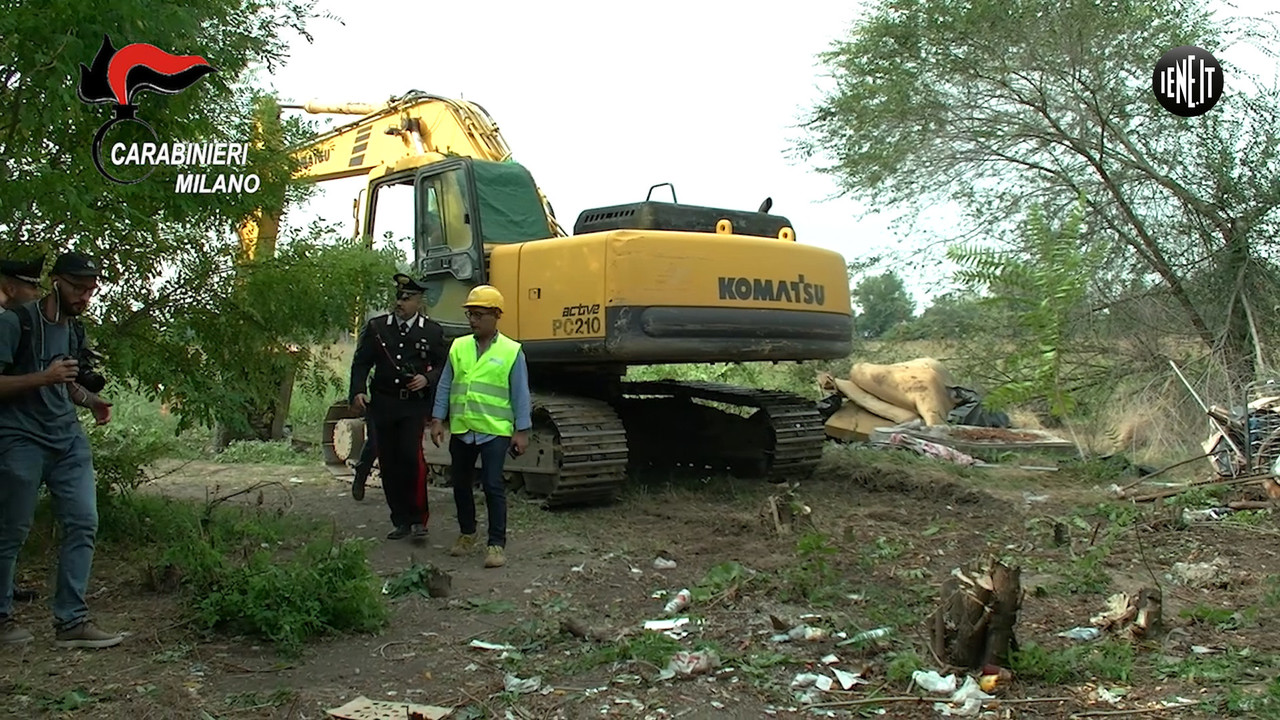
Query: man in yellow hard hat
point(484, 394)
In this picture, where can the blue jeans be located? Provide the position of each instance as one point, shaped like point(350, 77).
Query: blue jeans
point(68, 473)
point(493, 455)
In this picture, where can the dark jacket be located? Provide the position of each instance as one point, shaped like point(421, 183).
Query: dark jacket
point(394, 359)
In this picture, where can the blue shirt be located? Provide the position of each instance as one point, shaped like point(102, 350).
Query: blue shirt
point(521, 403)
point(45, 415)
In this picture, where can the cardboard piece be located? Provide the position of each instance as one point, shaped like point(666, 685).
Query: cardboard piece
point(362, 708)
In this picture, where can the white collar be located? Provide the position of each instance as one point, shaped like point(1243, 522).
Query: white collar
point(393, 320)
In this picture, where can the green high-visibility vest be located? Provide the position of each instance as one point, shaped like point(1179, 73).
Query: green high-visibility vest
point(480, 396)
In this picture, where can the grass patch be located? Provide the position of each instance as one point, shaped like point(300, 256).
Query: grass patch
point(1109, 660)
point(255, 572)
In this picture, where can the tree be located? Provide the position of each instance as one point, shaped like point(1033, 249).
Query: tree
point(998, 104)
point(884, 302)
point(1043, 291)
point(180, 317)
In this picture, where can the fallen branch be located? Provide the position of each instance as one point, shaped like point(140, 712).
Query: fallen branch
point(1139, 711)
point(869, 701)
point(1161, 471)
point(1170, 492)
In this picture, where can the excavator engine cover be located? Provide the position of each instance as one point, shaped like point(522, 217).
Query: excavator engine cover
point(650, 215)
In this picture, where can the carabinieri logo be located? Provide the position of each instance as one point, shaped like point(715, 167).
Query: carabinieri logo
point(117, 76)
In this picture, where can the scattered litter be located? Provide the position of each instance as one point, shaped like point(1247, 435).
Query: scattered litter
point(717, 704)
point(662, 563)
point(516, 685)
point(1202, 574)
point(679, 602)
point(295, 480)
point(668, 627)
point(362, 708)
point(831, 659)
point(804, 680)
point(931, 681)
point(847, 679)
point(1202, 650)
point(868, 635)
point(1135, 615)
point(970, 698)
point(800, 632)
point(1084, 634)
point(931, 449)
point(489, 646)
point(1029, 498)
point(1206, 515)
point(1108, 696)
point(690, 663)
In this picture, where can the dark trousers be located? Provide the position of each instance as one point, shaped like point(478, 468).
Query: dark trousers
point(370, 448)
point(403, 467)
point(493, 455)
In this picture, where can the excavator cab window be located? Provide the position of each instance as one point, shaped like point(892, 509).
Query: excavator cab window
point(393, 221)
point(450, 261)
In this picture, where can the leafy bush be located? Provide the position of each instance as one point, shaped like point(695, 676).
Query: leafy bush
point(250, 571)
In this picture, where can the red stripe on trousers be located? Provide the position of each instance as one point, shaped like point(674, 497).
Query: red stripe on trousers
point(421, 486)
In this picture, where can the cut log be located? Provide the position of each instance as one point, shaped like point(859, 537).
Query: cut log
point(974, 623)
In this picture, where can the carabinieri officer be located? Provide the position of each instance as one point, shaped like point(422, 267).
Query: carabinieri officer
point(406, 351)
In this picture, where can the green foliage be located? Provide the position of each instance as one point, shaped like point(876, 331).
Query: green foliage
point(236, 345)
point(1108, 659)
point(813, 577)
point(181, 316)
point(884, 304)
point(249, 571)
point(1043, 286)
point(995, 106)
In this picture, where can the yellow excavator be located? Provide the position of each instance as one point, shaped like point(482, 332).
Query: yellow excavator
point(643, 283)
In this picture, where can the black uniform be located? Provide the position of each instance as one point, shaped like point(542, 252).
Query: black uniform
point(396, 353)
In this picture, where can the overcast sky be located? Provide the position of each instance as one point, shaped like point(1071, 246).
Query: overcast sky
point(600, 100)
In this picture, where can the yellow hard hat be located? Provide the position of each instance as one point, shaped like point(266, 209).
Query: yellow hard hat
point(485, 296)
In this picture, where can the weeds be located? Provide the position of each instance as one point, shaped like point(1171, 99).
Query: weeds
point(248, 571)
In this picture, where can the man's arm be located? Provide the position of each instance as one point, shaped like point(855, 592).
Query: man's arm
point(440, 409)
point(521, 402)
point(361, 363)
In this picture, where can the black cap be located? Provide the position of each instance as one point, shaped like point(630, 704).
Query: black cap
point(75, 265)
point(404, 283)
point(28, 271)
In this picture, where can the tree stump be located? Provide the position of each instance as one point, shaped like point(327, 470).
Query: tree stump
point(973, 625)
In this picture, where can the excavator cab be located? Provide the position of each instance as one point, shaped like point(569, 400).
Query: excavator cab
point(459, 207)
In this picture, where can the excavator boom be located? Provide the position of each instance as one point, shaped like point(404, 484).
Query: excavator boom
point(413, 129)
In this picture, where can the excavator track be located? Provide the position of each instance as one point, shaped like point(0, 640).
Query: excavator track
point(782, 440)
point(579, 452)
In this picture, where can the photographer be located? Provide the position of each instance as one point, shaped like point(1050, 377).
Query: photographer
point(43, 375)
point(406, 352)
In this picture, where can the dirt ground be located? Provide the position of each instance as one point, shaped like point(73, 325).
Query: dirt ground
point(884, 534)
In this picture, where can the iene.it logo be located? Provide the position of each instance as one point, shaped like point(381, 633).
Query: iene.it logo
point(1187, 81)
point(117, 76)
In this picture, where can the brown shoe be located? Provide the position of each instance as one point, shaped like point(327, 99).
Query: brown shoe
point(495, 557)
point(86, 635)
point(11, 634)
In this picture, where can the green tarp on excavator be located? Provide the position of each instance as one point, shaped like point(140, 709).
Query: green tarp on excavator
point(510, 209)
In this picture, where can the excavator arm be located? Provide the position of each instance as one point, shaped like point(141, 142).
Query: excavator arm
point(416, 128)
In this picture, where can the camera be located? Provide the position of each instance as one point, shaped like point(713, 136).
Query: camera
point(86, 376)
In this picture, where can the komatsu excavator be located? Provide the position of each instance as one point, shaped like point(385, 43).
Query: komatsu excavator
point(651, 282)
